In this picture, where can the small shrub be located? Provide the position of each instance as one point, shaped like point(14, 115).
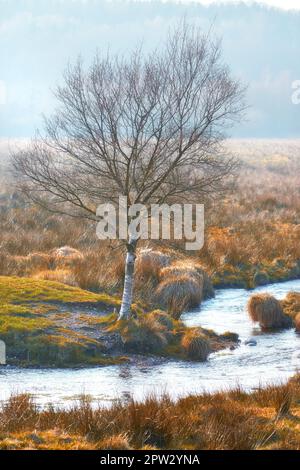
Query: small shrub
point(18, 413)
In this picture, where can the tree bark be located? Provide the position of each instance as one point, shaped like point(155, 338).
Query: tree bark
point(125, 311)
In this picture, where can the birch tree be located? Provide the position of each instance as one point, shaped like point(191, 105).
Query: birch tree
point(149, 127)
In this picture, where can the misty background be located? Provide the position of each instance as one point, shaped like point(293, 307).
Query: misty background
point(38, 38)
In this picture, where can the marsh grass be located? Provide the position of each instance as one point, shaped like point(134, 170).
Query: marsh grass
point(252, 236)
point(265, 419)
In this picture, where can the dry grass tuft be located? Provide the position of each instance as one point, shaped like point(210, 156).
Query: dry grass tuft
point(195, 345)
point(291, 304)
point(279, 397)
point(189, 269)
point(18, 413)
point(297, 322)
point(183, 285)
point(267, 311)
point(116, 442)
point(150, 262)
point(178, 293)
point(145, 334)
point(101, 269)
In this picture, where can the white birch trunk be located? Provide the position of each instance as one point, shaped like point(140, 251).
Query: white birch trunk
point(125, 311)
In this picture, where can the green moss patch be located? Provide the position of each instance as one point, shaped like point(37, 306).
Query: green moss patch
point(20, 290)
point(38, 331)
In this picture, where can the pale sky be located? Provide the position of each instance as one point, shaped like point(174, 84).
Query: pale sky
point(284, 4)
point(38, 38)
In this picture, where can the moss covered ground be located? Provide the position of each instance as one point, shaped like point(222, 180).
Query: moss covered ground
point(45, 323)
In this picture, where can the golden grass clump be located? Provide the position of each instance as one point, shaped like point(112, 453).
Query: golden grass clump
point(297, 322)
point(268, 312)
point(100, 269)
point(150, 262)
point(195, 345)
point(115, 442)
point(192, 270)
point(178, 293)
point(39, 260)
point(291, 304)
point(65, 256)
point(66, 252)
point(23, 265)
point(144, 334)
point(279, 397)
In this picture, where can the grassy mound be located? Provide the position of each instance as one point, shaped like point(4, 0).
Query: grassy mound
point(159, 334)
point(37, 323)
point(46, 323)
point(143, 335)
point(268, 312)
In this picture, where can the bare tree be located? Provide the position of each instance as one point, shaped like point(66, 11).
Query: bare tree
point(148, 127)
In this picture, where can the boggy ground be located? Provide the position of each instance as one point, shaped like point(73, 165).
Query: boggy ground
point(252, 234)
point(252, 238)
point(266, 419)
point(46, 323)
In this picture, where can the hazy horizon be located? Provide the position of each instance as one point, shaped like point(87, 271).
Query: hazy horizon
point(38, 38)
